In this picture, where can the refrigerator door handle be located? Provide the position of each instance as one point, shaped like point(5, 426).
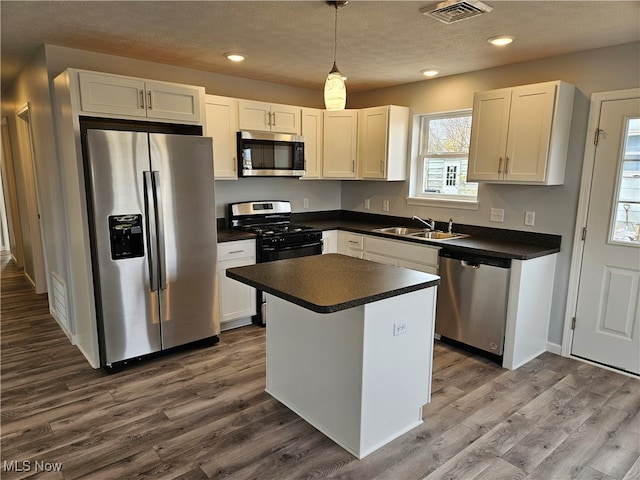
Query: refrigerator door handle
point(160, 228)
point(152, 241)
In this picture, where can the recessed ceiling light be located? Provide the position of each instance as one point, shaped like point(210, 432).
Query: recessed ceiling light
point(501, 40)
point(234, 57)
point(429, 72)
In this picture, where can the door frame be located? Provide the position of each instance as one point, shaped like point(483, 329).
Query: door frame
point(597, 99)
point(30, 179)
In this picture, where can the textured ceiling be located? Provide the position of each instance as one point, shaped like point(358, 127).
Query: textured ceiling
point(380, 43)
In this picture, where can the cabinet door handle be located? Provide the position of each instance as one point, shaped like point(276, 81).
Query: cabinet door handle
point(381, 166)
point(500, 166)
point(353, 166)
point(149, 102)
point(142, 99)
point(273, 119)
point(506, 165)
point(236, 251)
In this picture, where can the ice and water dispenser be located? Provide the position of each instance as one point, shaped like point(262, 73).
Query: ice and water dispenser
point(125, 232)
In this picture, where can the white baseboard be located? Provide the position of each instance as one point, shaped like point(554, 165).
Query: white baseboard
point(554, 348)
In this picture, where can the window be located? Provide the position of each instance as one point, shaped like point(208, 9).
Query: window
point(625, 225)
point(440, 171)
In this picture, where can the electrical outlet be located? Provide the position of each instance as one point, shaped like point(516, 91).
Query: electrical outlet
point(385, 205)
point(400, 328)
point(497, 215)
point(529, 218)
point(305, 203)
point(367, 203)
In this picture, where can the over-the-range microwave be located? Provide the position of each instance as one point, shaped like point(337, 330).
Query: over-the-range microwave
point(270, 154)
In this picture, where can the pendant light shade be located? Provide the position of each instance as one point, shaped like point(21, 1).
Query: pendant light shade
point(335, 90)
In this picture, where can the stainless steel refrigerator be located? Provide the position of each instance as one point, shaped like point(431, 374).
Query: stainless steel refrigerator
point(153, 234)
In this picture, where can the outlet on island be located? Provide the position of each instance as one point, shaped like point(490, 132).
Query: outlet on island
point(385, 205)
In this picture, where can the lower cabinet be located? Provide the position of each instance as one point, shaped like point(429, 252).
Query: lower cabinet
point(330, 241)
point(400, 253)
point(351, 244)
point(423, 258)
point(237, 300)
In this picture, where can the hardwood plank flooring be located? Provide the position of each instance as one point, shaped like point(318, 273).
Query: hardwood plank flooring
point(202, 413)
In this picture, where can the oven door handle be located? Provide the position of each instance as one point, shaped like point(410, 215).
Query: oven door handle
point(292, 247)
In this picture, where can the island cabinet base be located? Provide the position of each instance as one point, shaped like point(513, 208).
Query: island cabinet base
point(361, 375)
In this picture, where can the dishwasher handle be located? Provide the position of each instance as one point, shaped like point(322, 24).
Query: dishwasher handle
point(476, 259)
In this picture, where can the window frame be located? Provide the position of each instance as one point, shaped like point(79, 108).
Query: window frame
point(416, 171)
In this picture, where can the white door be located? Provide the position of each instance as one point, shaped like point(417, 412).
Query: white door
point(607, 326)
point(34, 263)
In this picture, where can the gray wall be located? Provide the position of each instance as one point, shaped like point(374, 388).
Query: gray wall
point(613, 68)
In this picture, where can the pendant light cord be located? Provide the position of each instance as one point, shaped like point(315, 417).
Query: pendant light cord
point(335, 35)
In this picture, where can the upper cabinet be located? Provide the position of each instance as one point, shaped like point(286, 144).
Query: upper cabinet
point(222, 126)
point(268, 117)
point(521, 134)
point(383, 141)
point(128, 97)
point(340, 144)
point(312, 127)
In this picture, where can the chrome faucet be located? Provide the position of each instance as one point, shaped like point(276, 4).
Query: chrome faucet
point(431, 224)
point(450, 226)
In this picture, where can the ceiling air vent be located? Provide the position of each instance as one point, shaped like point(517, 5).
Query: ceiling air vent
point(455, 10)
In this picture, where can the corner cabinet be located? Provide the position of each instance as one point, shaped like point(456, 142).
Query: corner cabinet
point(237, 300)
point(268, 117)
point(222, 126)
point(383, 140)
point(118, 96)
point(340, 144)
point(521, 134)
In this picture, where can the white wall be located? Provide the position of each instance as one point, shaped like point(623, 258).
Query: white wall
point(604, 69)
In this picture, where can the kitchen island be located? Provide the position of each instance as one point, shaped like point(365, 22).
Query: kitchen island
point(349, 344)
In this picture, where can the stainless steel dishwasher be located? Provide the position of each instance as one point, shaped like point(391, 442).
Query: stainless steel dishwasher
point(472, 300)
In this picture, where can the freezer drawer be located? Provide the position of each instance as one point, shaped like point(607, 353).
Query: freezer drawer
point(472, 301)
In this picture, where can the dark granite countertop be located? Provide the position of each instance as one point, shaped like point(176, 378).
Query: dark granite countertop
point(333, 282)
point(232, 235)
point(493, 242)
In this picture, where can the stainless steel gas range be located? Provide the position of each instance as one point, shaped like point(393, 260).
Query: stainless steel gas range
point(277, 237)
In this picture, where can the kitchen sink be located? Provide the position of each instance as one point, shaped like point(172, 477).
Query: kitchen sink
point(419, 233)
point(436, 235)
point(399, 230)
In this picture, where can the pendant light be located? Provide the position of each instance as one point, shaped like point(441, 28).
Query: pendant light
point(335, 91)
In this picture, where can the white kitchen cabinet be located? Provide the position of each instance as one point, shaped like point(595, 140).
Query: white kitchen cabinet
point(222, 126)
point(237, 300)
point(330, 241)
point(269, 117)
point(423, 258)
point(127, 97)
point(383, 134)
point(521, 134)
point(312, 131)
point(351, 244)
point(340, 144)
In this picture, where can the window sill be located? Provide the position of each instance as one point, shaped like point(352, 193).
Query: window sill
point(444, 203)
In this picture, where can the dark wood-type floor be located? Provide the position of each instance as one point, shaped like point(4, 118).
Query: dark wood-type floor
point(203, 414)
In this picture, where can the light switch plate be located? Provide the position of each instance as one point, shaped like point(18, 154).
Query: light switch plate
point(497, 215)
point(529, 218)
